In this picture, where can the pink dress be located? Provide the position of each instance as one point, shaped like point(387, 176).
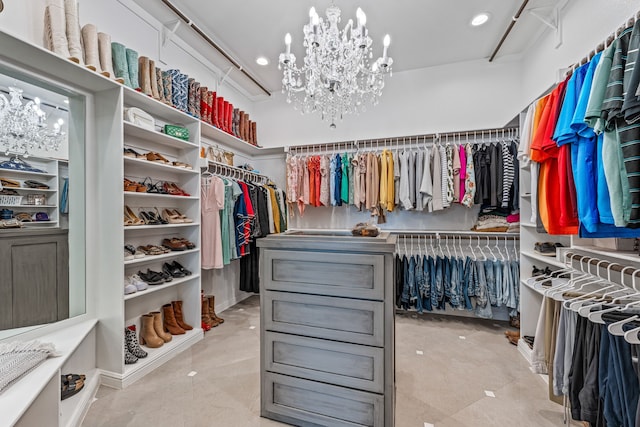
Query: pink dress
point(212, 199)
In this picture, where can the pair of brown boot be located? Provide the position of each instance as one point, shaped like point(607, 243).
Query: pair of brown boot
point(155, 332)
point(209, 317)
point(513, 336)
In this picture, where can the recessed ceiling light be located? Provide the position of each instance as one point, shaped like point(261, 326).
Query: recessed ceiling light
point(261, 60)
point(66, 101)
point(480, 19)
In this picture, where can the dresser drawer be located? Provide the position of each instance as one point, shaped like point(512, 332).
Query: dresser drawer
point(328, 273)
point(310, 403)
point(338, 319)
point(348, 365)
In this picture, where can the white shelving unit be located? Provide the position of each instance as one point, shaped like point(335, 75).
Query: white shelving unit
point(49, 177)
point(115, 373)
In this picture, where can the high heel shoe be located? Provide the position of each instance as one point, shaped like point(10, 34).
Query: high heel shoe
point(184, 218)
point(173, 189)
point(128, 213)
point(171, 217)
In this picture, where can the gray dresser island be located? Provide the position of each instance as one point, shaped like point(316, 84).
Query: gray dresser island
point(327, 329)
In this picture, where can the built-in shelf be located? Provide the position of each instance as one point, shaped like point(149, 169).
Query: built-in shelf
point(154, 354)
point(155, 288)
point(149, 168)
point(546, 259)
point(18, 207)
point(156, 137)
point(530, 286)
point(159, 227)
point(72, 409)
point(621, 255)
point(217, 136)
point(156, 108)
point(153, 258)
point(528, 224)
point(158, 196)
point(33, 190)
point(21, 172)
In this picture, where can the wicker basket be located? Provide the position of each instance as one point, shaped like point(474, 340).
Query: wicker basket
point(6, 200)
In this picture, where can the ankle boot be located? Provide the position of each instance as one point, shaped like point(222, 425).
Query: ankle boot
point(170, 322)
point(73, 31)
point(55, 28)
point(131, 342)
point(152, 79)
point(144, 75)
point(129, 358)
point(148, 334)
point(104, 52)
point(120, 67)
point(91, 49)
point(159, 84)
point(177, 311)
point(206, 317)
point(212, 309)
point(168, 89)
point(214, 322)
point(132, 65)
point(158, 326)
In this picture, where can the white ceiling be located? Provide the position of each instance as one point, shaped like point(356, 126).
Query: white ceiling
point(424, 33)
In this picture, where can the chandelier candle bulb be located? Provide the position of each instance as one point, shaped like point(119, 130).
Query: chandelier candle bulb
point(386, 43)
point(287, 41)
point(312, 13)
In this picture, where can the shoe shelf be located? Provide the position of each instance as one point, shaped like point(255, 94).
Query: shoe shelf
point(26, 173)
point(158, 196)
point(159, 227)
point(149, 168)
point(526, 283)
point(550, 260)
point(152, 258)
point(156, 137)
point(177, 344)
point(31, 207)
point(71, 409)
point(155, 288)
point(626, 256)
point(156, 108)
point(232, 143)
point(33, 190)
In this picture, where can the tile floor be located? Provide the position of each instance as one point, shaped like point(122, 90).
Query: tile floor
point(445, 386)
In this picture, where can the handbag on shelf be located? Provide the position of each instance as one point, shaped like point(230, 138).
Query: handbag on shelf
point(140, 118)
point(215, 155)
point(177, 132)
point(228, 158)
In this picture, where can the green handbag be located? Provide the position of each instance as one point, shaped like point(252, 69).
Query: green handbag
point(177, 132)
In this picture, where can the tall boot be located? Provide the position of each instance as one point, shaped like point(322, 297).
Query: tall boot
point(254, 133)
point(168, 88)
point(170, 322)
point(235, 122)
point(183, 93)
point(177, 311)
point(131, 342)
point(160, 84)
point(144, 75)
point(213, 108)
point(230, 119)
point(204, 105)
point(90, 46)
point(175, 77)
point(247, 127)
point(148, 334)
point(241, 126)
point(132, 64)
point(106, 60)
point(212, 309)
point(219, 112)
point(72, 20)
point(224, 118)
point(191, 96)
point(207, 321)
point(120, 67)
point(158, 326)
point(152, 78)
point(55, 28)
point(198, 100)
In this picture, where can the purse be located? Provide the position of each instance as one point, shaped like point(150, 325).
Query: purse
point(228, 157)
point(140, 118)
point(177, 132)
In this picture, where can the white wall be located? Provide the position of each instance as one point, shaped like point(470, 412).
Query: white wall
point(455, 97)
point(585, 24)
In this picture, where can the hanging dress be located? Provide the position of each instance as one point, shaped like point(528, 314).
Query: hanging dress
point(212, 195)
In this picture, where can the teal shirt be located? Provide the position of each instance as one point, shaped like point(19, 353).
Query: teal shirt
point(344, 189)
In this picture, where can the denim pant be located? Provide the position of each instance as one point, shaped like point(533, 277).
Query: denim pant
point(437, 294)
point(490, 281)
point(497, 272)
point(419, 283)
point(454, 300)
point(483, 307)
point(425, 287)
point(468, 288)
point(404, 298)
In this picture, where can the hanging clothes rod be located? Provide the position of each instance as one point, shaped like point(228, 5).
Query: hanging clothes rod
point(465, 234)
point(587, 260)
point(219, 168)
point(476, 136)
point(512, 23)
point(605, 44)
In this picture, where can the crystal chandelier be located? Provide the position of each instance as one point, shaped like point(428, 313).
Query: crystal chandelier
point(23, 127)
point(337, 77)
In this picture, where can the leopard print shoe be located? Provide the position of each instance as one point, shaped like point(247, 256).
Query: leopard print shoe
point(132, 343)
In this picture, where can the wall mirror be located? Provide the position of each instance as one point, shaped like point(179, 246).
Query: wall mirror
point(42, 207)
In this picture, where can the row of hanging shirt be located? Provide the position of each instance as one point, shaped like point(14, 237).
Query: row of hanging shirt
point(584, 141)
point(420, 177)
point(428, 279)
point(587, 341)
point(234, 212)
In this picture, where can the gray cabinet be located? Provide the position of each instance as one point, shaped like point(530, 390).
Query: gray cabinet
point(327, 330)
point(34, 266)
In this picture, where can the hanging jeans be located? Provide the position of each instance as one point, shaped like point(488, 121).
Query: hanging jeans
point(419, 283)
point(437, 295)
point(483, 307)
point(497, 272)
point(446, 280)
point(490, 281)
point(468, 288)
point(425, 287)
point(454, 300)
point(404, 298)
